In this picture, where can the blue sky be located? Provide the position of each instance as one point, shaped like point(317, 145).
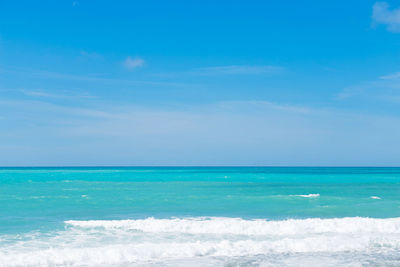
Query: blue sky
point(199, 83)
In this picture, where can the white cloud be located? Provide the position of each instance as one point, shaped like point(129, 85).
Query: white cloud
point(46, 94)
point(90, 55)
point(229, 133)
point(226, 70)
point(238, 69)
point(132, 63)
point(381, 14)
point(393, 76)
point(89, 78)
point(383, 89)
point(265, 105)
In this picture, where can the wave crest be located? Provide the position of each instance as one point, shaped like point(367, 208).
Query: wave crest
point(139, 242)
point(238, 226)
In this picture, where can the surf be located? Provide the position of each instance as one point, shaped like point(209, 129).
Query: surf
point(154, 241)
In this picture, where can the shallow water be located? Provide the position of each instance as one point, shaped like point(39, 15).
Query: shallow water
point(272, 216)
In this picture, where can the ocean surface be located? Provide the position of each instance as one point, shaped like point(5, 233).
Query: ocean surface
point(200, 216)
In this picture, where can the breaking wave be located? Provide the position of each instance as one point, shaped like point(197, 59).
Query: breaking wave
point(215, 239)
point(308, 196)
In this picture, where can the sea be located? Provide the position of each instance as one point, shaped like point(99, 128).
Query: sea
point(200, 216)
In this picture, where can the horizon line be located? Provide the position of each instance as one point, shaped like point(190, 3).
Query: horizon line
point(204, 166)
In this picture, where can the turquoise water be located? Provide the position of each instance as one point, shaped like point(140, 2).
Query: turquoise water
point(40, 207)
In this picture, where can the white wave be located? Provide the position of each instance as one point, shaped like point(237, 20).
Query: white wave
point(238, 226)
point(153, 251)
point(309, 195)
point(140, 242)
point(375, 197)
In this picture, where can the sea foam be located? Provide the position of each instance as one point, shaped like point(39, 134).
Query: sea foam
point(152, 241)
point(238, 226)
point(308, 195)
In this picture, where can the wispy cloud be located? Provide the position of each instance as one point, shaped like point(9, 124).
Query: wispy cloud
point(249, 132)
point(381, 14)
point(133, 63)
point(38, 93)
point(47, 94)
point(392, 76)
point(90, 55)
point(385, 88)
point(226, 70)
point(266, 105)
point(351, 91)
point(238, 69)
point(88, 78)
